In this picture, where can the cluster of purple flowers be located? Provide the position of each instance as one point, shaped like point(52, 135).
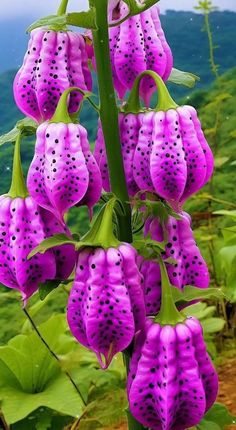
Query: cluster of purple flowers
point(116, 292)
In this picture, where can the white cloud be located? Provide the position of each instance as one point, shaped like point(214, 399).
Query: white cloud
point(24, 8)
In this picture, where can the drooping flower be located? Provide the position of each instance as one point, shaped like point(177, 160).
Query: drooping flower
point(63, 172)
point(106, 304)
point(53, 62)
point(172, 382)
point(164, 150)
point(23, 226)
point(190, 267)
point(136, 45)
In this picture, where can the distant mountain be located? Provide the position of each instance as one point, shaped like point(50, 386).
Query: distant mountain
point(183, 31)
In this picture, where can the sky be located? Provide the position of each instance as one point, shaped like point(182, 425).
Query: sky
point(24, 8)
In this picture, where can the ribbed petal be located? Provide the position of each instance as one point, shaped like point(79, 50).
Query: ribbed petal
point(94, 189)
point(106, 300)
point(23, 230)
point(54, 62)
point(58, 177)
point(65, 255)
point(167, 388)
point(168, 166)
point(195, 157)
point(190, 267)
point(141, 160)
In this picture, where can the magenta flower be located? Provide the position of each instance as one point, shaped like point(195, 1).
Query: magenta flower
point(63, 172)
point(106, 304)
point(54, 62)
point(172, 382)
point(23, 226)
point(136, 45)
point(164, 152)
point(190, 267)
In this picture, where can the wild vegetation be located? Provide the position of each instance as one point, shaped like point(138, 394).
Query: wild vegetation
point(35, 382)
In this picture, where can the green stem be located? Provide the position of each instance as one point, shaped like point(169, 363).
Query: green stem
point(62, 8)
point(168, 314)
point(214, 67)
point(28, 316)
point(18, 187)
point(61, 114)
point(109, 117)
point(165, 101)
point(110, 126)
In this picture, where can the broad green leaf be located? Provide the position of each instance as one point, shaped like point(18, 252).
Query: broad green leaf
point(217, 415)
point(200, 310)
point(190, 293)
point(50, 242)
point(208, 425)
point(229, 234)
point(212, 325)
point(26, 126)
point(228, 254)
point(183, 78)
point(30, 377)
point(78, 19)
point(231, 214)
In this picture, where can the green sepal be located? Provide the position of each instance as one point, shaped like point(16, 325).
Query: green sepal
point(148, 248)
point(101, 233)
point(180, 77)
point(135, 9)
point(165, 101)
point(154, 206)
point(168, 314)
point(25, 127)
point(60, 22)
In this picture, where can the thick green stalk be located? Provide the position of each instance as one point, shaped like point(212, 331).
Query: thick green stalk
point(110, 125)
point(109, 117)
point(18, 187)
point(62, 8)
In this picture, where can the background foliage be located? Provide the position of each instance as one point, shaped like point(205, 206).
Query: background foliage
point(34, 389)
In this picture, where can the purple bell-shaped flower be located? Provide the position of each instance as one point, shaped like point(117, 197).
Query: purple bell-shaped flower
point(63, 172)
point(172, 382)
point(23, 226)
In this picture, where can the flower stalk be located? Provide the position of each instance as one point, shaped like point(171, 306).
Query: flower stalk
point(109, 117)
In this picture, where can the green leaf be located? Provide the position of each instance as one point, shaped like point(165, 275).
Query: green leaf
point(190, 293)
point(212, 325)
point(219, 416)
point(220, 161)
point(78, 19)
point(26, 126)
point(31, 378)
point(229, 234)
point(51, 242)
point(149, 248)
point(231, 214)
point(200, 310)
point(183, 78)
point(48, 287)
